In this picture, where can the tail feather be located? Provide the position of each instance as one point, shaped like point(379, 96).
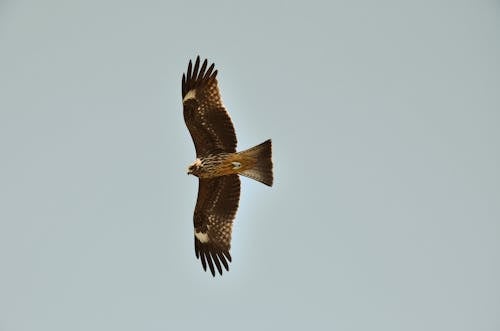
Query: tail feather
point(262, 170)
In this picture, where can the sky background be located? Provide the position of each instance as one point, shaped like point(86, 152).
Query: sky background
point(384, 115)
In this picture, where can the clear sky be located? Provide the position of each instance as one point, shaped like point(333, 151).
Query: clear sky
point(384, 115)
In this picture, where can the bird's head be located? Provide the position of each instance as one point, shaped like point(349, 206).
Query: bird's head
point(194, 168)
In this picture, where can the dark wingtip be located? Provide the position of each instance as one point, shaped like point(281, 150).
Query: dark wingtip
point(215, 257)
point(223, 260)
point(203, 262)
point(212, 257)
point(228, 256)
point(196, 67)
point(210, 263)
point(201, 75)
point(209, 71)
point(196, 76)
point(188, 75)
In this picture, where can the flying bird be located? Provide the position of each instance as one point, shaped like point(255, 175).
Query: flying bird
point(217, 165)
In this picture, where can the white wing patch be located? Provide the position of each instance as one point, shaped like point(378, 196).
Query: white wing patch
point(236, 165)
point(190, 95)
point(202, 236)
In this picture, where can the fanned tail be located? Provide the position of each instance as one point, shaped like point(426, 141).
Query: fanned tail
point(262, 170)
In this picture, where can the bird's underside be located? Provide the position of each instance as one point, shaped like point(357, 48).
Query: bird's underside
point(217, 166)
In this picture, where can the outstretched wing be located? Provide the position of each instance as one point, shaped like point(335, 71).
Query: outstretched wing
point(213, 220)
point(206, 118)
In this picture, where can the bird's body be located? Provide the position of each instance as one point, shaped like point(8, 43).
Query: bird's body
point(217, 165)
point(242, 163)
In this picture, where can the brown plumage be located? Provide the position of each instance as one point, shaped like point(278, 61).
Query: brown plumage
point(217, 165)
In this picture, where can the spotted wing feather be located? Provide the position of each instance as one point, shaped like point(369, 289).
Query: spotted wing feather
point(206, 118)
point(214, 213)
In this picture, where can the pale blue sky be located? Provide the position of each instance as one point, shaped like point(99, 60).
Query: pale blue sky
point(384, 116)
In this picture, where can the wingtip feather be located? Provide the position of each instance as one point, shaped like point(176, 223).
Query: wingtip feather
point(202, 70)
point(196, 67)
point(215, 257)
point(212, 258)
point(210, 263)
point(196, 76)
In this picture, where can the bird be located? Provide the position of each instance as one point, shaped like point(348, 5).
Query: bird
point(217, 165)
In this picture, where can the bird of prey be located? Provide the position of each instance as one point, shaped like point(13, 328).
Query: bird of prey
point(217, 165)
